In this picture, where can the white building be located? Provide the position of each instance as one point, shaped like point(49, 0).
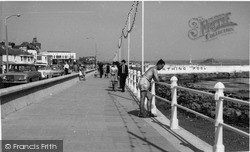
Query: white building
point(17, 56)
point(34, 52)
point(61, 56)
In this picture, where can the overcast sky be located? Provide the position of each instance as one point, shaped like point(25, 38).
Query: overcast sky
point(67, 25)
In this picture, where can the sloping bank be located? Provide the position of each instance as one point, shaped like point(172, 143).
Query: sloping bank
point(18, 97)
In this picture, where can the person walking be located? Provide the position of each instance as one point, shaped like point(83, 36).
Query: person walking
point(75, 67)
point(123, 73)
point(114, 75)
point(107, 70)
point(101, 69)
point(144, 85)
point(82, 72)
point(66, 68)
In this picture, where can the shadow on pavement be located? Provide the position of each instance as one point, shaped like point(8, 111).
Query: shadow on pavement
point(134, 112)
point(113, 94)
point(167, 128)
point(184, 142)
point(148, 142)
point(121, 109)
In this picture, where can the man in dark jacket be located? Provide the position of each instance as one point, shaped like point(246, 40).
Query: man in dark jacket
point(123, 73)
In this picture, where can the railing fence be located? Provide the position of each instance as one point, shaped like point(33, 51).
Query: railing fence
point(219, 97)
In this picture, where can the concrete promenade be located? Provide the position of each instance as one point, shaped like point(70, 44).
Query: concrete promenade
point(90, 117)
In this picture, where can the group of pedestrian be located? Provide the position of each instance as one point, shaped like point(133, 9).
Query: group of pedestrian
point(77, 68)
point(117, 72)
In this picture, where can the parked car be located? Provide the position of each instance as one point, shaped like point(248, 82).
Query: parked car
point(57, 70)
point(20, 74)
point(45, 71)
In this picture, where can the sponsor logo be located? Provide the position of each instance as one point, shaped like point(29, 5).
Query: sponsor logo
point(210, 28)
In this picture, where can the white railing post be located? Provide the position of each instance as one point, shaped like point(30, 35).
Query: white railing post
point(138, 91)
point(219, 147)
point(127, 80)
point(153, 107)
point(129, 77)
point(134, 83)
point(174, 124)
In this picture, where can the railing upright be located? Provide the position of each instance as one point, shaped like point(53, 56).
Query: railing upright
point(127, 80)
point(153, 107)
point(134, 82)
point(174, 124)
point(129, 77)
point(138, 91)
point(131, 80)
point(219, 147)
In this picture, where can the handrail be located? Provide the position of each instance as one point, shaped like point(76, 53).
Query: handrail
point(235, 129)
point(236, 100)
point(195, 91)
point(196, 113)
point(218, 96)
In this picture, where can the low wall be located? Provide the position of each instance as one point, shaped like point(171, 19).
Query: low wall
point(18, 97)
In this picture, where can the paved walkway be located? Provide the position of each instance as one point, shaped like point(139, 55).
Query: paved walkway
point(88, 117)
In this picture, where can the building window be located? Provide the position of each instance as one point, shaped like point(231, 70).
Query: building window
point(39, 57)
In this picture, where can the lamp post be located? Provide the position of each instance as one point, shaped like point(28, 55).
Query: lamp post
point(6, 41)
point(142, 59)
point(95, 49)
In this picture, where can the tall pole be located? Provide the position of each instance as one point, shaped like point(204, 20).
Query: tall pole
point(95, 54)
point(6, 41)
point(142, 51)
point(119, 50)
point(6, 46)
point(128, 40)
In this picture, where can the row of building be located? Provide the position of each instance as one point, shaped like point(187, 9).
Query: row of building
point(31, 53)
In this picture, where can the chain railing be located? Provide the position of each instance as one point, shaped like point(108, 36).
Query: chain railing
point(219, 97)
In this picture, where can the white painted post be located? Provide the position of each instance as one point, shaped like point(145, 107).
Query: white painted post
point(131, 80)
point(134, 82)
point(174, 124)
point(219, 147)
point(129, 75)
point(127, 80)
point(142, 39)
point(138, 91)
point(128, 40)
point(153, 107)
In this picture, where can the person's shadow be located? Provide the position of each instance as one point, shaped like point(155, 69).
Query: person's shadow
point(134, 112)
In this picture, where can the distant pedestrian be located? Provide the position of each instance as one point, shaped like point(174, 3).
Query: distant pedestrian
point(144, 85)
point(107, 70)
point(82, 72)
point(101, 69)
point(123, 73)
point(75, 67)
point(114, 75)
point(66, 68)
point(104, 70)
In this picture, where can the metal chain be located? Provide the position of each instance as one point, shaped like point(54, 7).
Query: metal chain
point(123, 34)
